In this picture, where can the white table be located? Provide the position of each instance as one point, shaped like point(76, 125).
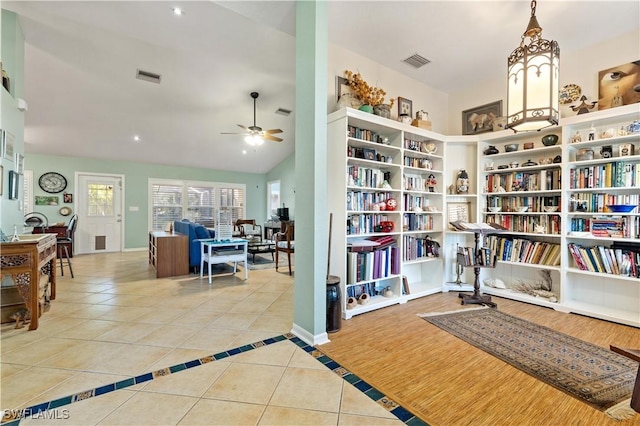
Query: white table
point(223, 251)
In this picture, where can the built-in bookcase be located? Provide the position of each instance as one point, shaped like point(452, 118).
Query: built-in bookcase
point(552, 200)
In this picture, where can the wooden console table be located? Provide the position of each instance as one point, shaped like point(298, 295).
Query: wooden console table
point(169, 253)
point(31, 264)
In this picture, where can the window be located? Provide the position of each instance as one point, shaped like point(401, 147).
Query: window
point(273, 197)
point(196, 201)
point(28, 192)
point(100, 200)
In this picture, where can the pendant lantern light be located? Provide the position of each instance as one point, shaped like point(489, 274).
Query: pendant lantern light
point(532, 89)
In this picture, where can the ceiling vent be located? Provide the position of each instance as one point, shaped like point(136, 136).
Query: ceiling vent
point(148, 76)
point(416, 61)
point(283, 111)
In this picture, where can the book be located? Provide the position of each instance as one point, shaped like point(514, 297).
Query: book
point(405, 285)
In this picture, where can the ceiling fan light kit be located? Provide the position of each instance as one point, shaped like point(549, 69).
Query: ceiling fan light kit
point(254, 135)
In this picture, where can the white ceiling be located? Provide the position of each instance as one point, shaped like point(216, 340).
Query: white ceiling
point(81, 59)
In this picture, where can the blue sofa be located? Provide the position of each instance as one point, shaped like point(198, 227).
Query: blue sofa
point(194, 231)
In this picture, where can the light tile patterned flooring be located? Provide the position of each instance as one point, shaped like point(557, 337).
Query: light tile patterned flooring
point(115, 321)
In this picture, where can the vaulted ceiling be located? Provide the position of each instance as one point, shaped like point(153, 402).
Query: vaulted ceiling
point(82, 57)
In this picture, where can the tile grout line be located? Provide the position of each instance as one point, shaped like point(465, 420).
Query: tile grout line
point(13, 417)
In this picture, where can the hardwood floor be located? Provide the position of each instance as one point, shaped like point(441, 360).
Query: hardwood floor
point(446, 381)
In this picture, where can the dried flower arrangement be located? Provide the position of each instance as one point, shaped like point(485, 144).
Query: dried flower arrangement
point(369, 95)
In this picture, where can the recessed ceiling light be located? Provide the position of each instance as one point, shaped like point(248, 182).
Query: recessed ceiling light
point(136, 138)
point(244, 151)
point(178, 11)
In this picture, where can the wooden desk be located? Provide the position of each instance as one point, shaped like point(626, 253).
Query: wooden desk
point(223, 251)
point(31, 265)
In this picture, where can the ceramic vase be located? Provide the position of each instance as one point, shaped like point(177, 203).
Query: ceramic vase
point(462, 182)
point(366, 108)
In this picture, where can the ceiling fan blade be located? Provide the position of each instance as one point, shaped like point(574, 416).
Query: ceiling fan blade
point(228, 133)
point(271, 138)
point(272, 131)
point(240, 125)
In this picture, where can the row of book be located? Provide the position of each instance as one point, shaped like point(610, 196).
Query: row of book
point(366, 223)
point(419, 248)
point(420, 163)
point(616, 260)
point(537, 180)
point(411, 201)
point(469, 256)
point(362, 200)
point(377, 259)
point(365, 134)
point(598, 202)
point(417, 222)
point(366, 176)
point(511, 203)
point(522, 250)
point(607, 226)
point(618, 174)
point(527, 224)
point(419, 183)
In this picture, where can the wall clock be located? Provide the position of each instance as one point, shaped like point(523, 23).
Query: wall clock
point(52, 182)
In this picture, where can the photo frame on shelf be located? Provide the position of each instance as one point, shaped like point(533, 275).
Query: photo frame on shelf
point(8, 142)
point(458, 212)
point(369, 154)
point(342, 86)
point(405, 106)
point(14, 185)
point(480, 119)
point(19, 163)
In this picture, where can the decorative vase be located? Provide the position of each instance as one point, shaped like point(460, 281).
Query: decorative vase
point(366, 108)
point(382, 110)
point(462, 182)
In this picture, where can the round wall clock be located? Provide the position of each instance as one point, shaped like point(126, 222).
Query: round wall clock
point(65, 211)
point(52, 182)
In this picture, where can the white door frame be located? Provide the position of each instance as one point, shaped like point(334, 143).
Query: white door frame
point(122, 197)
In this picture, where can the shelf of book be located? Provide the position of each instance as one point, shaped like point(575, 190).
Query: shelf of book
point(529, 265)
point(574, 270)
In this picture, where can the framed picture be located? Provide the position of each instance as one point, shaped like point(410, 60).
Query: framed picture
point(457, 212)
point(46, 200)
point(9, 144)
point(19, 163)
point(1, 179)
point(405, 106)
point(14, 185)
point(67, 198)
point(480, 119)
point(619, 85)
point(341, 87)
point(369, 154)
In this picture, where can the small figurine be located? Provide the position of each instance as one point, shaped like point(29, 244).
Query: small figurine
point(576, 137)
point(584, 108)
point(431, 182)
point(592, 133)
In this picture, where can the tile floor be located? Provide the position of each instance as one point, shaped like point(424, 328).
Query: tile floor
point(115, 322)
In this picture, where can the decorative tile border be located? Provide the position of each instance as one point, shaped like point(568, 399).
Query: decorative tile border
point(13, 417)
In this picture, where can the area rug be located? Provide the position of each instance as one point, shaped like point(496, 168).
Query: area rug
point(262, 261)
point(594, 375)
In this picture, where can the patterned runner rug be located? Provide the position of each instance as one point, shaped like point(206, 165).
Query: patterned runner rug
point(595, 375)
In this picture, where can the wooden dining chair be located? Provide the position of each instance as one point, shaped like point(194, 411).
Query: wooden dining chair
point(285, 241)
point(247, 228)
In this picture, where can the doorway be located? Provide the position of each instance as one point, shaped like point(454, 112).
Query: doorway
point(99, 199)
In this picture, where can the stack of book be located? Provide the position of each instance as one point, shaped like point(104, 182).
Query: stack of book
point(372, 258)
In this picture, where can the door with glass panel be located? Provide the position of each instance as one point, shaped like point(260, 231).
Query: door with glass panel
point(99, 208)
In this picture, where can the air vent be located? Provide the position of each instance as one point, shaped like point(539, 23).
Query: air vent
point(148, 76)
point(283, 111)
point(416, 61)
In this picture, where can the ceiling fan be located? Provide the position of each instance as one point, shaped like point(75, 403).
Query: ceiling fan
point(254, 135)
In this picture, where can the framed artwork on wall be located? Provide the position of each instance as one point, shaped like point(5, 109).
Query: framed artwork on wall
point(458, 212)
point(619, 85)
point(19, 163)
point(1, 179)
point(14, 185)
point(480, 119)
point(8, 142)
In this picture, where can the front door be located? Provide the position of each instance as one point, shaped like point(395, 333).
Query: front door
point(99, 209)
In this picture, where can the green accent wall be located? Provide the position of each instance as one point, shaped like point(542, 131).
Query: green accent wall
point(11, 119)
point(136, 186)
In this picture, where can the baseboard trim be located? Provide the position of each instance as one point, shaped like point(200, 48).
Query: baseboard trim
point(308, 338)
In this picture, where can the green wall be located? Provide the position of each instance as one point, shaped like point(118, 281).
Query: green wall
point(136, 183)
point(11, 120)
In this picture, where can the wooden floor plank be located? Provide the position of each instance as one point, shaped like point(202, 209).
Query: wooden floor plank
point(446, 381)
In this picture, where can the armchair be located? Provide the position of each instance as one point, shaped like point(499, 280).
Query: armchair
point(285, 242)
point(247, 228)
